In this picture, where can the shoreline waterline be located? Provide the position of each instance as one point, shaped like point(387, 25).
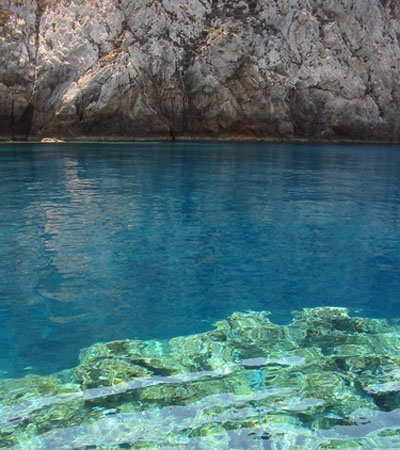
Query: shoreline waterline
point(192, 139)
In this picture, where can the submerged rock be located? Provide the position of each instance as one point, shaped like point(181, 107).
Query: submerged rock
point(322, 381)
point(299, 69)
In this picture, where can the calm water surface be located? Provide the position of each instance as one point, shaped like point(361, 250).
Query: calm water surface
point(112, 241)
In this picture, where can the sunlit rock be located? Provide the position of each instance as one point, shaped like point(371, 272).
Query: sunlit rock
point(283, 70)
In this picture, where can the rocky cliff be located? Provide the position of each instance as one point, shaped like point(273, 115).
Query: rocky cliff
point(269, 69)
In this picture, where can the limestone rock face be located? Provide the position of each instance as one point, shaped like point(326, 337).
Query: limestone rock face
point(267, 69)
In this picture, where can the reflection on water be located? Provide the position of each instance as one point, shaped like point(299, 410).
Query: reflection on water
point(104, 242)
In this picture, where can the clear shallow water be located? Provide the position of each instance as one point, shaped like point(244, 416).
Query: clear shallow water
point(325, 380)
point(112, 241)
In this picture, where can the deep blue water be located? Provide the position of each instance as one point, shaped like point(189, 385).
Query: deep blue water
point(112, 241)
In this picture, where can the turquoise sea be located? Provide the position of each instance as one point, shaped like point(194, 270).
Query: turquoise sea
point(199, 295)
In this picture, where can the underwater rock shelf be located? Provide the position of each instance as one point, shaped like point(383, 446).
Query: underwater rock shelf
point(325, 380)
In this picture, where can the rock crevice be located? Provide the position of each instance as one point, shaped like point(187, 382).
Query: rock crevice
point(285, 70)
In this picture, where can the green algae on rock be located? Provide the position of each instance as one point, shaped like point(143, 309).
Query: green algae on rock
point(325, 380)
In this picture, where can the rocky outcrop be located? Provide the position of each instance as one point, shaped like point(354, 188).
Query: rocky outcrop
point(268, 69)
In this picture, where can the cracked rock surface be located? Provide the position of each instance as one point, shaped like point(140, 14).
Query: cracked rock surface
point(263, 69)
